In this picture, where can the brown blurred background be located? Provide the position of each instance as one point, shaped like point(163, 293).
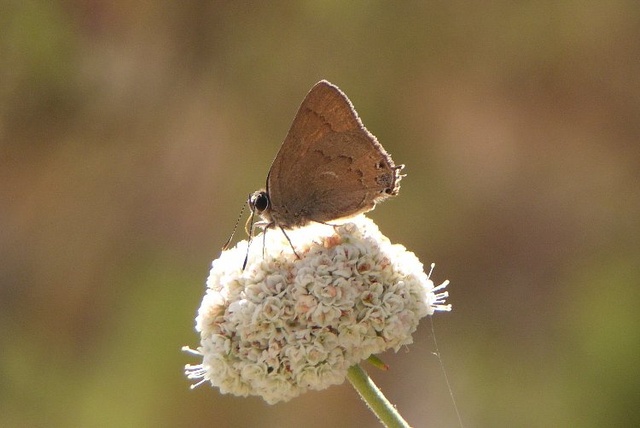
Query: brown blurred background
point(132, 132)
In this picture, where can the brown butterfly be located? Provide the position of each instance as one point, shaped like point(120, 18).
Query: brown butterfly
point(329, 166)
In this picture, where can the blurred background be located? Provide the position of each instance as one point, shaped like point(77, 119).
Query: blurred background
point(131, 134)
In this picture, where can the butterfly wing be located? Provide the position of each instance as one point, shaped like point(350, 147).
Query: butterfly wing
point(329, 165)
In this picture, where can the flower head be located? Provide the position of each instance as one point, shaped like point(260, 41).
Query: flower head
point(285, 325)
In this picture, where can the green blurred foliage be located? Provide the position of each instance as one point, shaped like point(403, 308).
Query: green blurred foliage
point(132, 132)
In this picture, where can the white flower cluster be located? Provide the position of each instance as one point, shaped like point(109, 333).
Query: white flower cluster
point(285, 325)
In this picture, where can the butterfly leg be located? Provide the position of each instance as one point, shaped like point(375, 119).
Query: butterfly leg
point(334, 225)
point(264, 240)
point(290, 243)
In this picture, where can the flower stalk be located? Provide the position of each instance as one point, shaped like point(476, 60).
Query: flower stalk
point(375, 399)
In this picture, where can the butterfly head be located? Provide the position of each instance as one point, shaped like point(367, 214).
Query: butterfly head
point(259, 204)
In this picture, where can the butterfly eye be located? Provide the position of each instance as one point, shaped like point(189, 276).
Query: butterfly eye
point(260, 201)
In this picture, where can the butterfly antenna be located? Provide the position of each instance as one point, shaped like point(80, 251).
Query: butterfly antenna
point(226, 244)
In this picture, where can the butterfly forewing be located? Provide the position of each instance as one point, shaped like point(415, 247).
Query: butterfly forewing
point(329, 165)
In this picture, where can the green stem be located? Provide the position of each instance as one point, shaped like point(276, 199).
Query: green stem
point(374, 398)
